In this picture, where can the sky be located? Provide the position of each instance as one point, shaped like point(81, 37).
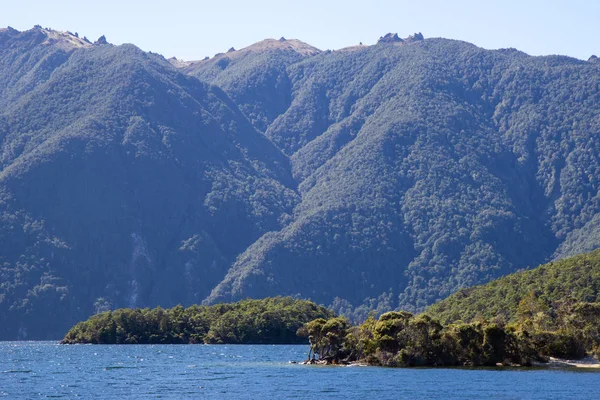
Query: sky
point(193, 29)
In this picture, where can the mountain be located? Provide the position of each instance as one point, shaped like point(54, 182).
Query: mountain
point(549, 286)
point(28, 58)
point(255, 77)
point(366, 178)
point(123, 182)
point(426, 166)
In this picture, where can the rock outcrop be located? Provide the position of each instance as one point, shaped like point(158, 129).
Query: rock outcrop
point(390, 38)
point(101, 40)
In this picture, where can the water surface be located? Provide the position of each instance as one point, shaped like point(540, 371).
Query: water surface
point(48, 370)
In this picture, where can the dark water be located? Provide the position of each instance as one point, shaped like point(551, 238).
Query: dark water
point(47, 370)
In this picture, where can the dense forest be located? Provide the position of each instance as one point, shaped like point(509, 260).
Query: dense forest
point(544, 296)
point(521, 319)
point(423, 166)
point(266, 321)
point(550, 311)
point(401, 339)
point(123, 183)
point(369, 178)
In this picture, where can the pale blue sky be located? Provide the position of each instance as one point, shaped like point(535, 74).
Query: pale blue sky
point(191, 29)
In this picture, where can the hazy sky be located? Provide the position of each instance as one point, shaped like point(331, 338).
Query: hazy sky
point(191, 29)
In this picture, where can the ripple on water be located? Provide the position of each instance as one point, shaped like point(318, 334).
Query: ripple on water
point(252, 371)
point(17, 371)
point(220, 378)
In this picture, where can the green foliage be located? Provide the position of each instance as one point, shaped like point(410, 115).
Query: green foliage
point(329, 339)
point(267, 321)
point(120, 179)
point(559, 344)
point(538, 298)
point(425, 168)
point(400, 339)
point(373, 178)
point(255, 77)
point(555, 306)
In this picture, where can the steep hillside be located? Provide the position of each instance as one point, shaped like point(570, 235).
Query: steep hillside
point(548, 286)
point(255, 77)
point(27, 59)
point(123, 183)
point(371, 177)
point(426, 166)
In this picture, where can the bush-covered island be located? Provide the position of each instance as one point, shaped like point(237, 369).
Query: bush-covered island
point(401, 339)
point(527, 317)
point(550, 311)
point(267, 321)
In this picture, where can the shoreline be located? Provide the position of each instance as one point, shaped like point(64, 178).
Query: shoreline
point(553, 362)
point(587, 362)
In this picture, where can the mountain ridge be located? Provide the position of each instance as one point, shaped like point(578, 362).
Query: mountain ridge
point(120, 173)
point(489, 113)
point(371, 178)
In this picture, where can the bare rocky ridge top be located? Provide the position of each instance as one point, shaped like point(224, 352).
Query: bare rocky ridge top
point(69, 40)
point(64, 39)
point(394, 38)
point(262, 46)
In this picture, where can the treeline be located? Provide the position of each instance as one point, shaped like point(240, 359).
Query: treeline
point(267, 321)
point(401, 339)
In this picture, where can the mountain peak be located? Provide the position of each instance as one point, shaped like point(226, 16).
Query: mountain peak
point(282, 44)
point(394, 38)
point(9, 29)
point(415, 38)
point(264, 46)
point(390, 38)
point(101, 40)
point(66, 40)
point(177, 63)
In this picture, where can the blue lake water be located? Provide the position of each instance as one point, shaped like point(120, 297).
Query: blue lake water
point(48, 370)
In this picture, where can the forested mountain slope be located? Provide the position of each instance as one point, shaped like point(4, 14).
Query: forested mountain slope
point(255, 77)
point(123, 182)
point(28, 58)
point(549, 289)
point(374, 177)
point(425, 166)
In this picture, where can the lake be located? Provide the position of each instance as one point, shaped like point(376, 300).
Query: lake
point(48, 370)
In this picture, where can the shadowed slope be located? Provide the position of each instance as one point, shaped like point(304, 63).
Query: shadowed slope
point(121, 181)
point(255, 77)
point(426, 167)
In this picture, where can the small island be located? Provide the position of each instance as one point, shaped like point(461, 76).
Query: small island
point(401, 339)
point(395, 339)
point(527, 318)
point(267, 321)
